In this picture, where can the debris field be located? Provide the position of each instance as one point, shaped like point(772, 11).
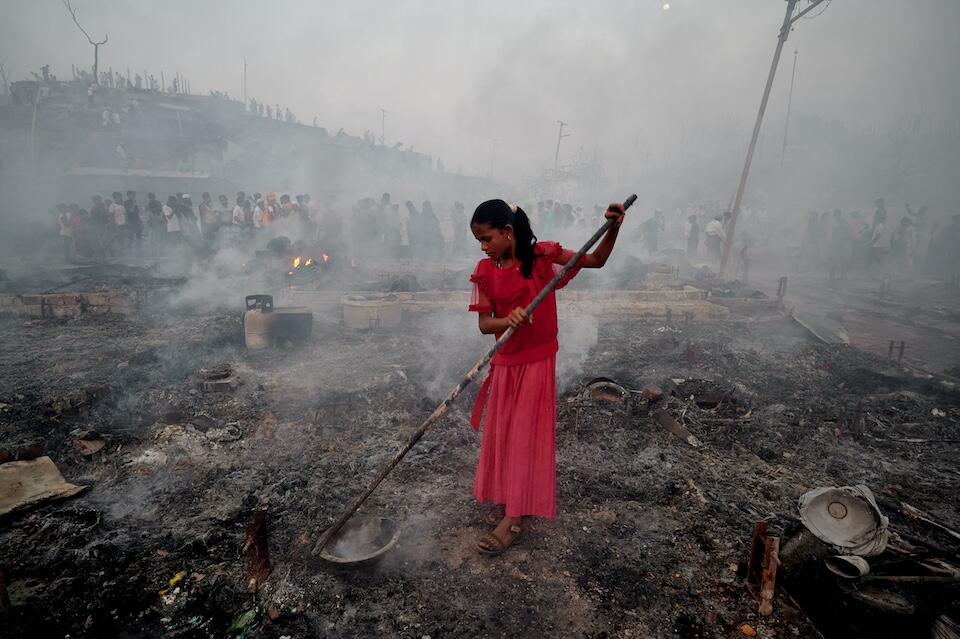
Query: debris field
point(210, 470)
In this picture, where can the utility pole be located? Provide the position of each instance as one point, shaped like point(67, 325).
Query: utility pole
point(383, 126)
point(244, 83)
point(786, 124)
point(493, 154)
point(738, 199)
point(560, 136)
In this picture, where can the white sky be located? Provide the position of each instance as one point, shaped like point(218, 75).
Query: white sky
point(454, 75)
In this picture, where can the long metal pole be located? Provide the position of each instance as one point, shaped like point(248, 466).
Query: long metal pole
point(731, 228)
point(786, 124)
point(244, 83)
point(441, 410)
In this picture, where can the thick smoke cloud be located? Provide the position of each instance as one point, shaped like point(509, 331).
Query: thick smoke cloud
point(630, 78)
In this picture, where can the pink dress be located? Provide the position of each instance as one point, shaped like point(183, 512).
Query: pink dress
point(517, 466)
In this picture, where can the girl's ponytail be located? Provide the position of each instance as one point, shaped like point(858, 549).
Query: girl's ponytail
point(525, 240)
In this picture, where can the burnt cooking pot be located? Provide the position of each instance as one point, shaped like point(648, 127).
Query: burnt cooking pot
point(361, 541)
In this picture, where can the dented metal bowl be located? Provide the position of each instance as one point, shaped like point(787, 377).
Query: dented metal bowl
point(362, 541)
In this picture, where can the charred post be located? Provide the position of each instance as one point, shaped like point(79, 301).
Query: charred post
point(257, 550)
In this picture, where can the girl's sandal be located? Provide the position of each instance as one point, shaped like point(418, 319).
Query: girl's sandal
point(491, 545)
point(495, 516)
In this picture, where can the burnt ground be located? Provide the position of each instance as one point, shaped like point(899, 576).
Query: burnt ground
point(652, 535)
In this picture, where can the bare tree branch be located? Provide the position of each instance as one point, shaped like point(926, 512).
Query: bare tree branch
point(73, 15)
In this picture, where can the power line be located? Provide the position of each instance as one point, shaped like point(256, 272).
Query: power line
point(817, 15)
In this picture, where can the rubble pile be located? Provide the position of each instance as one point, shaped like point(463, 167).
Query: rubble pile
point(674, 441)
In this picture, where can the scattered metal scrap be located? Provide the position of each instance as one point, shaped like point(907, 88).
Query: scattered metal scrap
point(27, 483)
point(825, 329)
point(604, 388)
point(846, 518)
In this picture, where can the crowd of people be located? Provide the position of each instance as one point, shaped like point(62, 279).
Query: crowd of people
point(832, 242)
point(840, 243)
point(123, 225)
point(119, 226)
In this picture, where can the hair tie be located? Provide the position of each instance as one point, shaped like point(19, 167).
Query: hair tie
point(513, 208)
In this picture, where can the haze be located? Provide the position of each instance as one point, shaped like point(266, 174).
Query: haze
point(628, 77)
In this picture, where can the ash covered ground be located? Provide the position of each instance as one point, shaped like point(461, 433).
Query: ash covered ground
point(652, 536)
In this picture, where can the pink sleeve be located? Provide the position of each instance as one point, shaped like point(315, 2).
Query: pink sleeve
point(480, 297)
point(555, 258)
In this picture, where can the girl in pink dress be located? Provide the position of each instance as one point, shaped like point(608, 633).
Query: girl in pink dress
point(517, 466)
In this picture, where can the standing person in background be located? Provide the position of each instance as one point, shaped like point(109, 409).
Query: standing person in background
point(66, 232)
point(881, 210)
point(691, 232)
point(911, 240)
point(245, 218)
point(516, 470)
point(156, 225)
point(224, 211)
point(189, 223)
point(171, 215)
point(919, 218)
point(903, 245)
point(650, 232)
point(134, 223)
point(239, 219)
point(875, 245)
point(102, 227)
point(271, 211)
point(860, 240)
point(119, 214)
point(256, 217)
point(286, 207)
point(81, 231)
point(209, 218)
point(714, 237)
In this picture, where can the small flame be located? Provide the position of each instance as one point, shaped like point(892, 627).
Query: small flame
point(296, 262)
point(308, 262)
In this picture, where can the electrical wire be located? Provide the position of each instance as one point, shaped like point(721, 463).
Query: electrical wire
point(817, 15)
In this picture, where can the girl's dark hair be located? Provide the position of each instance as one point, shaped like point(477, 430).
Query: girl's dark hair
point(497, 214)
